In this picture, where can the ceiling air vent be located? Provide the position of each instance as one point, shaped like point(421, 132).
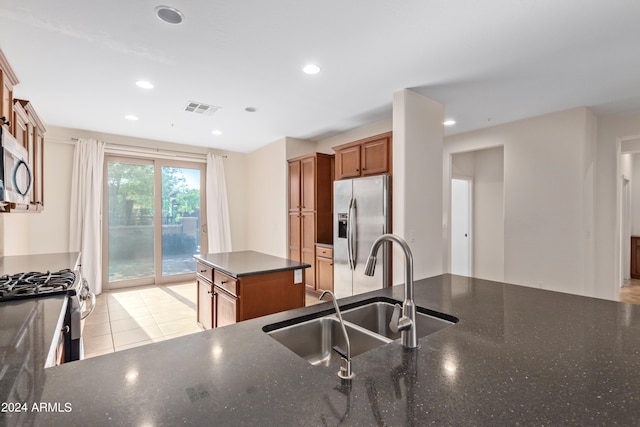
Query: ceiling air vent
point(199, 108)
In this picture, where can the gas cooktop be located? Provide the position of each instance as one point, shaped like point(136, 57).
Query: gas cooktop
point(36, 284)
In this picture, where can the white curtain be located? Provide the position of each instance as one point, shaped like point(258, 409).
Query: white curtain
point(218, 228)
point(86, 198)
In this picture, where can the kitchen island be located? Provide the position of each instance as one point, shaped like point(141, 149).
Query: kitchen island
point(241, 285)
point(517, 355)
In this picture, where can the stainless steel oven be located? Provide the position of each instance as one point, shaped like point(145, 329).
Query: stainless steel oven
point(16, 176)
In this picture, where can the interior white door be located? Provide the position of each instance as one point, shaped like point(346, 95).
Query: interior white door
point(461, 227)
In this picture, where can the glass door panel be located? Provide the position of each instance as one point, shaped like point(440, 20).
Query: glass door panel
point(130, 224)
point(180, 219)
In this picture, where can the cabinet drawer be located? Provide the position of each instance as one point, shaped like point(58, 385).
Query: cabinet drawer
point(324, 252)
point(227, 283)
point(205, 271)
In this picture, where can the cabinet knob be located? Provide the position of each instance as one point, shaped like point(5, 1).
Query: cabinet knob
point(357, 170)
point(364, 169)
point(223, 282)
point(203, 271)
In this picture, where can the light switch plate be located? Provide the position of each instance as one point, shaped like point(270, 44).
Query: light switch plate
point(297, 276)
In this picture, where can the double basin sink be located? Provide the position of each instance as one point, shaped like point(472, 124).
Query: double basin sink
point(313, 337)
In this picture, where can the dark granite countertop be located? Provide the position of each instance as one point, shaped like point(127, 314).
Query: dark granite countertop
point(28, 328)
point(518, 356)
point(248, 263)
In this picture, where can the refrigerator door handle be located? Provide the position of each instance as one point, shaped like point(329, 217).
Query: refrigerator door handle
point(352, 234)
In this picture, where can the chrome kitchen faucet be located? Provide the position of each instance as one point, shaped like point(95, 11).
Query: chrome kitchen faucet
point(407, 323)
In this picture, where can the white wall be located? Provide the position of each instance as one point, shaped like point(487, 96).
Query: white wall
point(545, 197)
point(417, 182)
point(266, 199)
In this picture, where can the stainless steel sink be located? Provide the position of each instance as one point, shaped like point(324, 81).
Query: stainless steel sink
point(367, 324)
point(375, 317)
point(313, 340)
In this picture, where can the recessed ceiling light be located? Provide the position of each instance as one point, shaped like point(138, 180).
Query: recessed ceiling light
point(251, 109)
point(311, 69)
point(144, 84)
point(449, 122)
point(216, 132)
point(170, 15)
point(131, 117)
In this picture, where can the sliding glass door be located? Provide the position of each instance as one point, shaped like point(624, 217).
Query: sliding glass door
point(153, 224)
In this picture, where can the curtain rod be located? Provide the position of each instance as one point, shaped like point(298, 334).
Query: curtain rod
point(158, 150)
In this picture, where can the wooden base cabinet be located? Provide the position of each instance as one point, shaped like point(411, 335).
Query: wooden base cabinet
point(225, 300)
point(324, 269)
point(206, 303)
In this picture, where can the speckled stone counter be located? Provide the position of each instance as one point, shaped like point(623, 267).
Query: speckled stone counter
point(248, 263)
point(518, 356)
point(27, 331)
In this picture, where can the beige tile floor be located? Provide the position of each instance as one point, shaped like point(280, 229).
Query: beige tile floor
point(133, 317)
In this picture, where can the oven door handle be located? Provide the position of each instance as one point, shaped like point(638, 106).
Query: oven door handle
point(91, 307)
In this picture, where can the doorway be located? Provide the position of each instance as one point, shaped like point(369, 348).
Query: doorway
point(461, 214)
point(152, 226)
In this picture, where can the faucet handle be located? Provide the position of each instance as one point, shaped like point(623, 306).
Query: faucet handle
point(395, 319)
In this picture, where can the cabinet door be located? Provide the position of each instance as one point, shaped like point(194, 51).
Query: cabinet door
point(38, 167)
point(295, 251)
point(308, 233)
point(308, 178)
point(324, 268)
point(205, 304)
point(348, 162)
point(375, 157)
point(7, 99)
point(226, 308)
point(20, 125)
point(295, 194)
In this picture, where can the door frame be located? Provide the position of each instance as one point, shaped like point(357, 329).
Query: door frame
point(158, 163)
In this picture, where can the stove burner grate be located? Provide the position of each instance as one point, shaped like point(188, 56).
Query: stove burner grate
point(35, 284)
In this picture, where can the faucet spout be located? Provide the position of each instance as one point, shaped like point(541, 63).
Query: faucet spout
point(406, 323)
point(345, 371)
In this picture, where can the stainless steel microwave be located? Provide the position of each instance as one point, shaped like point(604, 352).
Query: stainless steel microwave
point(16, 176)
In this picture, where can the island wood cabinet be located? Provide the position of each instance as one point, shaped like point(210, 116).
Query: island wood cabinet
point(365, 157)
point(324, 268)
point(225, 300)
point(310, 209)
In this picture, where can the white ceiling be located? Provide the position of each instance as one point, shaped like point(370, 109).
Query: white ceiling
point(488, 62)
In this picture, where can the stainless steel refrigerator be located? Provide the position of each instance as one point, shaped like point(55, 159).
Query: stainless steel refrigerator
point(361, 209)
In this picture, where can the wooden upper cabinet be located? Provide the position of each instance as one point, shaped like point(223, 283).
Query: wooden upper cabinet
point(370, 156)
point(8, 80)
point(20, 125)
point(31, 128)
point(375, 157)
point(348, 162)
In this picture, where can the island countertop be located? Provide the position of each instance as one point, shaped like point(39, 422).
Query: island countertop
point(248, 263)
point(518, 355)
